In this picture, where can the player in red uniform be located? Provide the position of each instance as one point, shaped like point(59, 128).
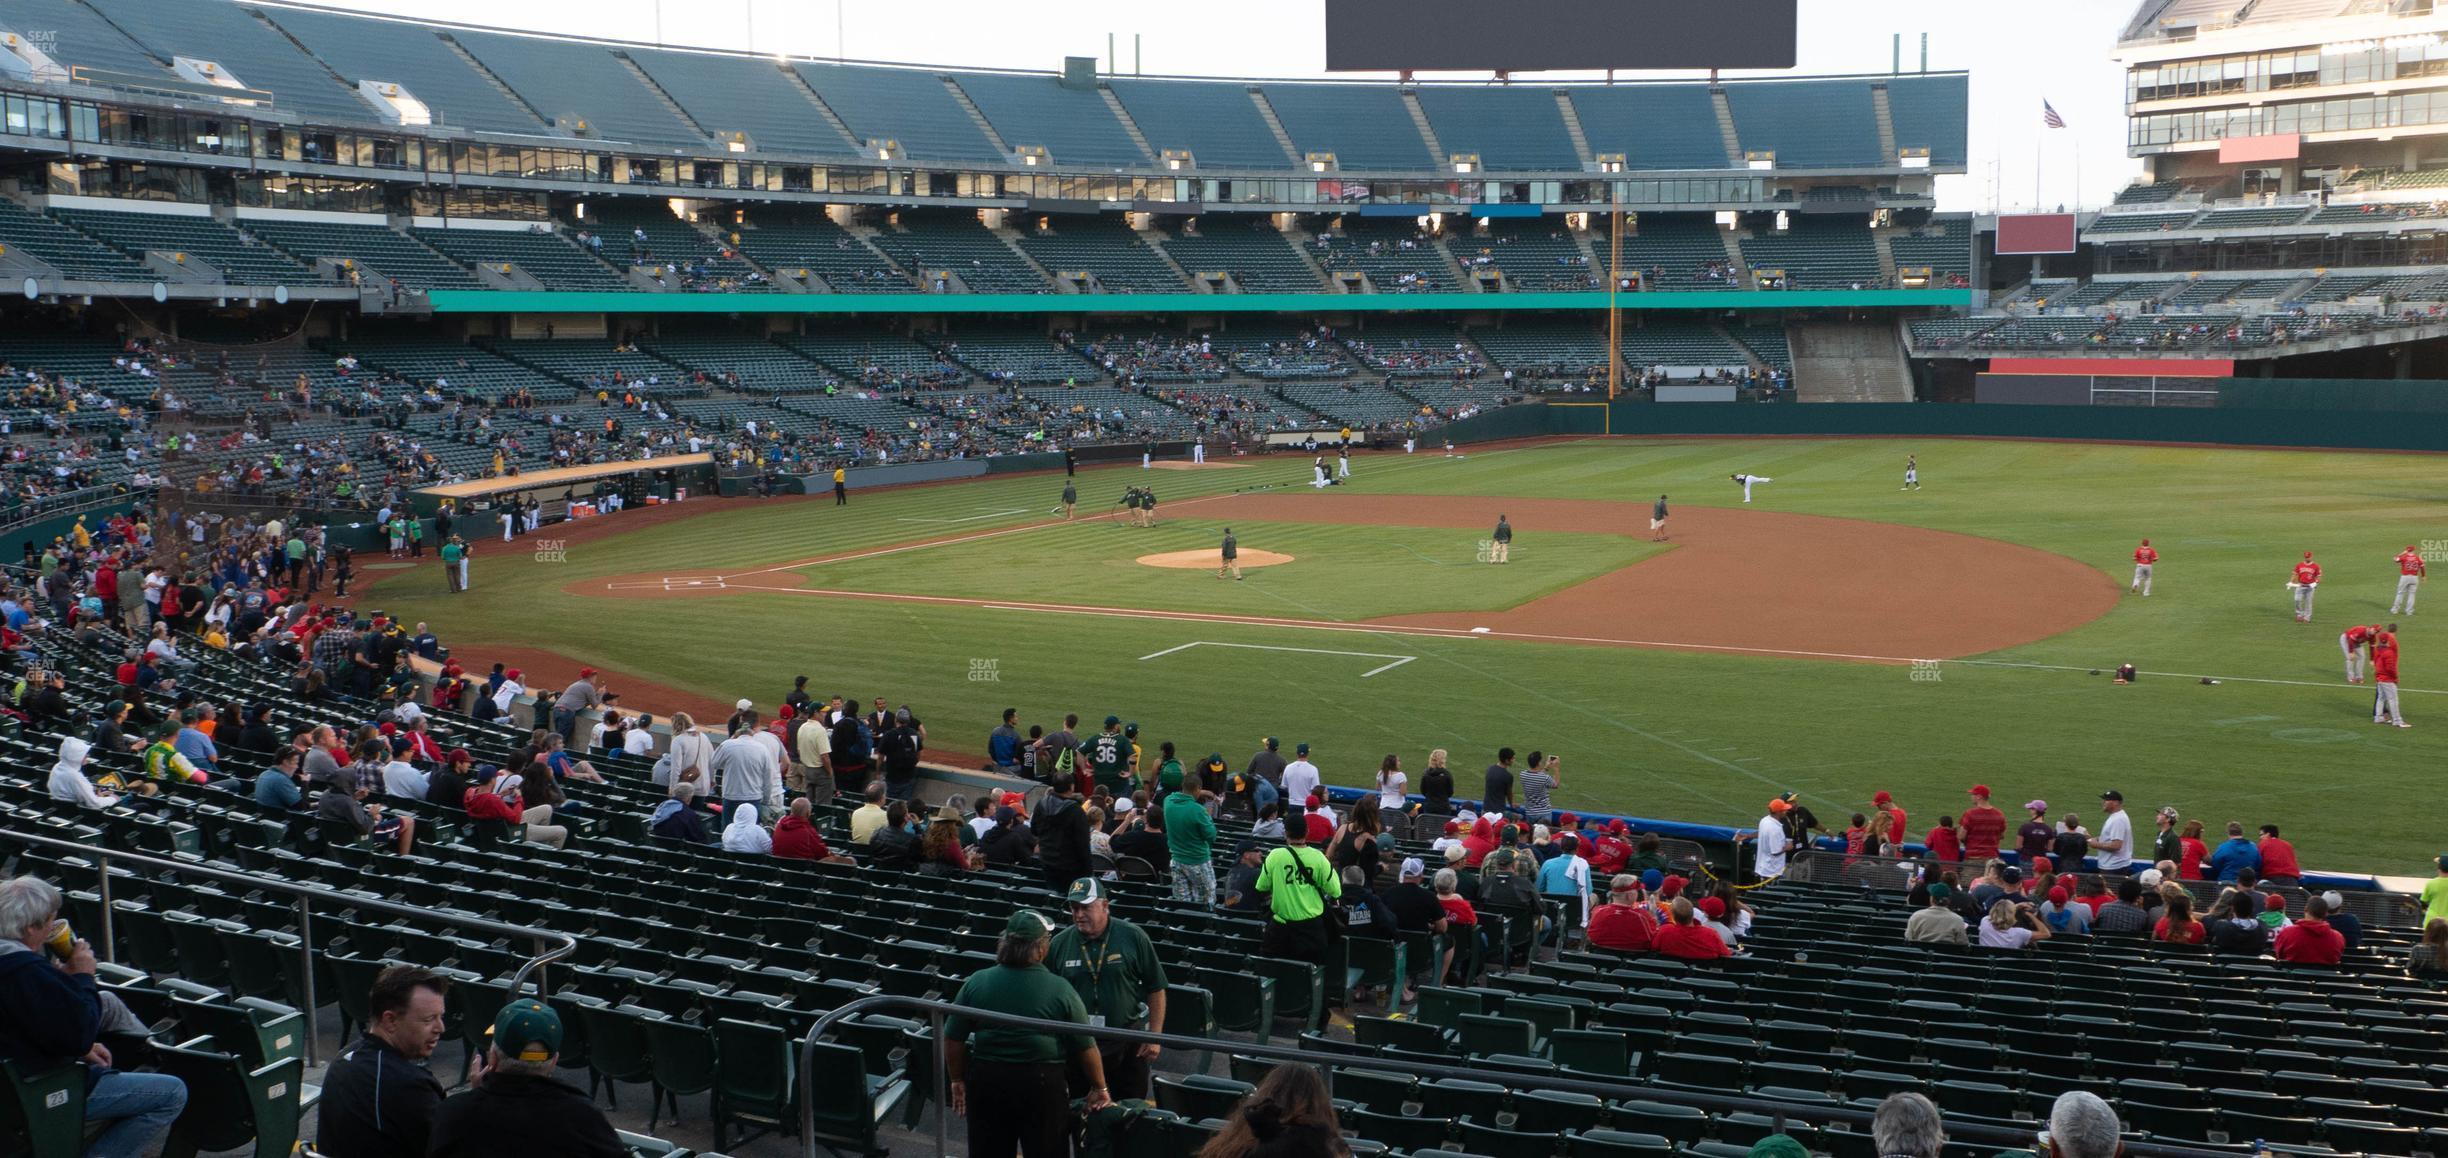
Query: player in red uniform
point(2353, 643)
point(2409, 581)
point(2144, 556)
point(2384, 679)
point(2307, 577)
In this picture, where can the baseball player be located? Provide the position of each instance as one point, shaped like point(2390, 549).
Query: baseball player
point(1503, 540)
point(1198, 451)
point(1747, 479)
point(2145, 556)
point(1147, 456)
point(2307, 577)
point(2409, 580)
point(1232, 557)
point(1912, 474)
point(1343, 462)
point(1317, 473)
point(1070, 499)
point(2352, 643)
point(2384, 679)
point(1657, 521)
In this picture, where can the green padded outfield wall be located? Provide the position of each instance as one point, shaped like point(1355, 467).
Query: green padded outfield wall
point(2238, 426)
point(2363, 395)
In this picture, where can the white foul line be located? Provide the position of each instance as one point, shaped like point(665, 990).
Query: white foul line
point(969, 518)
point(1399, 660)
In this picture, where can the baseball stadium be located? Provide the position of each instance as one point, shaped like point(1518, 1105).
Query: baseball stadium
point(1509, 595)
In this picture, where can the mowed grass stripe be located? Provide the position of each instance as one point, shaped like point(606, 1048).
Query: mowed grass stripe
point(1644, 731)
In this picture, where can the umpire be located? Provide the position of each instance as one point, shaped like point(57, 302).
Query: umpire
point(1022, 1104)
point(1232, 556)
point(1112, 965)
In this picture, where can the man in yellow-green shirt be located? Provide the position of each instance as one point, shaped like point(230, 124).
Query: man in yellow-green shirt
point(1298, 881)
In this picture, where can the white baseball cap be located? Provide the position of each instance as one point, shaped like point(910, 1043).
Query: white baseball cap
point(1411, 867)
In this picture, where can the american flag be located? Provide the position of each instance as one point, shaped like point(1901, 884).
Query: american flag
point(2049, 117)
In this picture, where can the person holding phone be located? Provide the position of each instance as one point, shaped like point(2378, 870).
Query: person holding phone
point(2012, 925)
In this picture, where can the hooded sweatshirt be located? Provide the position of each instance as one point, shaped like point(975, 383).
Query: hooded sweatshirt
point(68, 779)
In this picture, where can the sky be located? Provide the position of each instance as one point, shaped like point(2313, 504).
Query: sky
point(2018, 55)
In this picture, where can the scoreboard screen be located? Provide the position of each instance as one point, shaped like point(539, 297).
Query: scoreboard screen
point(1548, 35)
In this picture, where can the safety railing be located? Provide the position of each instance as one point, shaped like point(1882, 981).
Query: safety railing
point(1817, 1114)
point(550, 946)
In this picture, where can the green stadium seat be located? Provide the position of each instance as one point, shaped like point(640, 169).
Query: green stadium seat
point(848, 1104)
point(1505, 1142)
point(755, 1078)
point(1618, 1144)
point(1380, 1090)
point(1550, 1111)
point(45, 1113)
point(231, 1104)
point(1591, 1051)
point(1408, 1133)
point(1199, 1096)
point(1677, 1123)
point(683, 1056)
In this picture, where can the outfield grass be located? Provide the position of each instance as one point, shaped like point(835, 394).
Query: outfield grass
point(1674, 734)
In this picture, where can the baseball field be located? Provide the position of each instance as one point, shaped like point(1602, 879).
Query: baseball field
point(1835, 636)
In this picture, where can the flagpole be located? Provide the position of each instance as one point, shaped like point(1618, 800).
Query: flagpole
point(2039, 154)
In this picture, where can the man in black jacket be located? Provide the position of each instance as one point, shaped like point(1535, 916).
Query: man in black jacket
point(51, 1014)
point(378, 1098)
point(898, 745)
point(1062, 836)
point(513, 1106)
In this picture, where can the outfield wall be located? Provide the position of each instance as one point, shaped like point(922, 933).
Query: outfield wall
point(2234, 425)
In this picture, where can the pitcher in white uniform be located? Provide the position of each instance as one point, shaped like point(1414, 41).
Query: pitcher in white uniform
point(1747, 479)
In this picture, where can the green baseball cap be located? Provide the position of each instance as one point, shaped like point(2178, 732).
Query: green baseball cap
point(1939, 891)
point(1028, 923)
point(1085, 891)
point(528, 1030)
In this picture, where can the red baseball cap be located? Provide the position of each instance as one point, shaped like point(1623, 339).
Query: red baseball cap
point(1566, 820)
point(1713, 906)
point(584, 672)
point(513, 673)
point(1882, 798)
point(1618, 827)
point(1672, 886)
point(1980, 790)
point(2058, 896)
point(2041, 864)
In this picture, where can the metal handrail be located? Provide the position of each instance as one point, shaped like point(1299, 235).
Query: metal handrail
point(1850, 1115)
point(552, 946)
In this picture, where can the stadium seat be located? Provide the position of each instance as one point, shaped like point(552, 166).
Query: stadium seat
point(1198, 1096)
point(45, 1111)
point(848, 1104)
point(755, 1078)
point(231, 1104)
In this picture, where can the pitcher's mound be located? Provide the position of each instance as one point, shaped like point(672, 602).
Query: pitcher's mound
point(1212, 558)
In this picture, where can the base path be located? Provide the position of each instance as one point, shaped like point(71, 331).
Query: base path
point(1212, 559)
point(1748, 579)
point(1741, 580)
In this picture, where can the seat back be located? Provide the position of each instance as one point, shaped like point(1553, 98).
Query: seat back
point(45, 1114)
